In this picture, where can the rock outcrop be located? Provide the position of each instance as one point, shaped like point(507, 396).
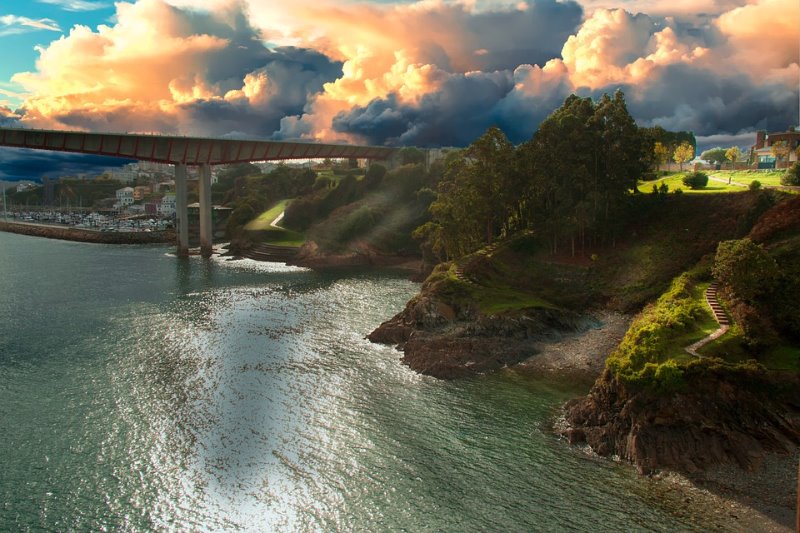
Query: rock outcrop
point(447, 340)
point(311, 256)
point(716, 419)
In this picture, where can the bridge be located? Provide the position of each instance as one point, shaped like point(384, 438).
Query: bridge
point(182, 152)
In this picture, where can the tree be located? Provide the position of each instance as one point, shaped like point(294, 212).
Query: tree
point(661, 153)
point(411, 156)
point(745, 270)
point(490, 166)
point(683, 153)
point(732, 154)
point(781, 150)
point(714, 155)
point(792, 175)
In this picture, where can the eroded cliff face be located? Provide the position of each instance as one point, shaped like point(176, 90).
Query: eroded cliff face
point(716, 419)
point(447, 340)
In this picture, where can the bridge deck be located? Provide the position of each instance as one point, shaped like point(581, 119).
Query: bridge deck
point(185, 150)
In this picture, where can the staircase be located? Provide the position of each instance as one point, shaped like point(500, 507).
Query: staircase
point(719, 315)
point(716, 308)
point(271, 252)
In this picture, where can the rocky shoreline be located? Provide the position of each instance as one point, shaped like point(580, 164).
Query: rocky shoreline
point(715, 443)
point(718, 419)
point(310, 256)
point(449, 341)
point(82, 235)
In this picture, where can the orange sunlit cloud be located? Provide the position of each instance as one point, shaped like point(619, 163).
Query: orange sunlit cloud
point(411, 72)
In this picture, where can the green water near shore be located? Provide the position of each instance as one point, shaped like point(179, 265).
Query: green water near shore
point(141, 392)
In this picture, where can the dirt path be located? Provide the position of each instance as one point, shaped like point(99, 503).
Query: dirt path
point(719, 315)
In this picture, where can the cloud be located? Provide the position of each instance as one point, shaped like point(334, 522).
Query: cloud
point(76, 5)
point(675, 74)
point(431, 72)
point(614, 46)
point(13, 24)
point(22, 164)
point(414, 51)
point(160, 68)
point(763, 38)
point(742, 140)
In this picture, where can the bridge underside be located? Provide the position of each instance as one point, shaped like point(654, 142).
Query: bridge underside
point(183, 152)
point(192, 151)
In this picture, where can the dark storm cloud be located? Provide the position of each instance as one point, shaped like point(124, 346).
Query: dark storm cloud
point(460, 111)
point(292, 75)
point(530, 36)
point(453, 116)
point(683, 97)
point(23, 164)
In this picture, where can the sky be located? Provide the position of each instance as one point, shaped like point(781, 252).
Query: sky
point(424, 73)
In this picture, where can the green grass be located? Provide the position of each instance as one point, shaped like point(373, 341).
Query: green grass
point(731, 349)
point(263, 221)
point(652, 352)
point(335, 178)
point(491, 300)
point(675, 181)
point(766, 177)
point(782, 358)
point(261, 231)
point(496, 300)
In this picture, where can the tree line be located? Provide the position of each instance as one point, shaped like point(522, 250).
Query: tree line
point(570, 183)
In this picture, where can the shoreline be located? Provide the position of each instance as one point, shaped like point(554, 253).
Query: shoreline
point(83, 235)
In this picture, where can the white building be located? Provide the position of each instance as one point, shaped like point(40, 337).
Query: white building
point(125, 174)
point(167, 205)
point(124, 197)
point(25, 185)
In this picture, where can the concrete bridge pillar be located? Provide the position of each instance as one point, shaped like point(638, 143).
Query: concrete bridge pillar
point(181, 210)
point(206, 231)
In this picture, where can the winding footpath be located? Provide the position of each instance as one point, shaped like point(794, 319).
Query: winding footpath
point(719, 315)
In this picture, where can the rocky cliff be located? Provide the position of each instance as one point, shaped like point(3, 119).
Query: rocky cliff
point(717, 418)
point(448, 340)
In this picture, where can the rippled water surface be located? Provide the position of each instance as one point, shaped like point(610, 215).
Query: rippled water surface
point(139, 392)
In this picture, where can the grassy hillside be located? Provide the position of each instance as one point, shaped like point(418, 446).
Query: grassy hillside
point(667, 237)
point(652, 351)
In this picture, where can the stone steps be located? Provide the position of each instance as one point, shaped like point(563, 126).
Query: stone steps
point(716, 308)
point(271, 252)
point(719, 314)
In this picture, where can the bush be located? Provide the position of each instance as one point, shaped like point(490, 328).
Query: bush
point(695, 180)
point(792, 175)
point(745, 270)
point(755, 185)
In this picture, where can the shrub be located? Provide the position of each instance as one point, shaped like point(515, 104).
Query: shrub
point(695, 180)
point(755, 185)
point(640, 357)
point(745, 269)
point(792, 175)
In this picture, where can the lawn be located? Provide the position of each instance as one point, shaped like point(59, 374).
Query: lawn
point(335, 178)
point(495, 300)
point(263, 221)
point(675, 182)
point(731, 348)
point(278, 236)
point(704, 326)
point(766, 177)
